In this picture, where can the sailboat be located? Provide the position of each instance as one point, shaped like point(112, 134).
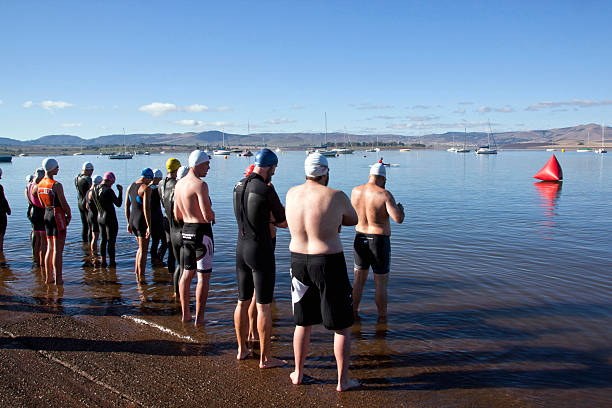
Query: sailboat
point(464, 149)
point(586, 149)
point(452, 149)
point(223, 151)
point(323, 149)
point(121, 156)
point(374, 149)
point(345, 150)
point(603, 148)
point(487, 149)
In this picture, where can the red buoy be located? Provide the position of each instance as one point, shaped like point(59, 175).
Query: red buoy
point(551, 171)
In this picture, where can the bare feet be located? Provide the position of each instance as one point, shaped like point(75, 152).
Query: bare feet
point(272, 363)
point(295, 378)
point(186, 318)
point(59, 282)
point(350, 384)
point(199, 322)
point(242, 355)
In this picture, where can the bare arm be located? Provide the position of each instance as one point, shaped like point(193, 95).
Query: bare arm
point(396, 211)
point(59, 190)
point(206, 205)
point(127, 206)
point(146, 207)
point(178, 215)
point(349, 217)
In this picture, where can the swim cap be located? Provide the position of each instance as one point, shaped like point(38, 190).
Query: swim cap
point(182, 172)
point(266, 158)
point(198, 157)
point(110, 176)
point(315, 165)
point(158, 174)
point(147, 173)
point(172, 164)
point(87, 166)
point(97, 179)
point(29, 178)
point(39, 173)
point(50, 164)
point(249, 170)
point(378, 169)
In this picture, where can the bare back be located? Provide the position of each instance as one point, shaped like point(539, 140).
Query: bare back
point(191, 200)
point(314, 215)
point(374, 204)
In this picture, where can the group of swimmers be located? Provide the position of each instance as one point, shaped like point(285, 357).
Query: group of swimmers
point(314, 214)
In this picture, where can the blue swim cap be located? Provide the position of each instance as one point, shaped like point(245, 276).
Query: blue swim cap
point(266, 158)
point(148, 173)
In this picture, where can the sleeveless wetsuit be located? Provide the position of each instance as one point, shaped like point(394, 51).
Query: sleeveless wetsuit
point(92, 213)
point(175, 235)
point(254, 200)
point(157, 224)
point(55, 217)
point(137, 221)
point(37, 213)
point(4, 209)
point(106, 200)
point(83, 183)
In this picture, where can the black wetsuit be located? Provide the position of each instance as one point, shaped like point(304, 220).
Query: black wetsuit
point(137, 220)
point(106, 200)
point(157, 225)
point(175, 228)
point(83, 183)
point(92, 214)
point(4, 209)
point(254, 200)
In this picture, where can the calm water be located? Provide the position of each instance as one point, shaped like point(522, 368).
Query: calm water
point(496, 282)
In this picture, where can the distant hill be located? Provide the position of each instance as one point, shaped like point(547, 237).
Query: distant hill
point(531, 138)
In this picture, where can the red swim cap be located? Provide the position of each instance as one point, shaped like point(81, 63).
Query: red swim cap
point(109, 176)
point(249, 170)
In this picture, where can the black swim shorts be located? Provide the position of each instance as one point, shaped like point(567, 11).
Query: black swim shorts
point(198, 247)
point(55, 222)
point(321, 291)
point(372, 250)
point(255, 270)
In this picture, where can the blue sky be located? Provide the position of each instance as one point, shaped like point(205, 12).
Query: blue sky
point(409, 67)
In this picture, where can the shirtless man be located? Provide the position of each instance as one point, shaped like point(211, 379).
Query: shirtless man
point(320, 287)
point(372, 248)
point(193, 207)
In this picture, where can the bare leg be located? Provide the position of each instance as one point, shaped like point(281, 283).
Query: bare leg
point(264, 327)
point(342, 351)
point(1, 242)
point(94, 245)
point(184, 288)
point(36, 243)
point(201, 296)
point(58, 259)
point(358, 283)
point(301, 342)
point(241, 323)
point(141, 258)
point(380, 281)
point(42, 248)
point(49, 259)
point(253, 335)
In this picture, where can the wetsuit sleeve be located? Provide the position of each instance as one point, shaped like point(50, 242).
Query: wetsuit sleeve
point(117, 200)
point(4, 206)
point(276, 207)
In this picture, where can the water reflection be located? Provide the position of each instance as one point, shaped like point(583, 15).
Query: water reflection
point(549, 192)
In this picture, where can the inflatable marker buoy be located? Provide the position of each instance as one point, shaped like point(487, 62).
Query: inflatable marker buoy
point(551, 171)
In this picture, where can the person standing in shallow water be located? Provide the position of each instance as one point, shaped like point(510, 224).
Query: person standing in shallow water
point(193, 207)
point(254, 200)
point(173, 234)
point(57, 217)
point(5, 209)
point(138, 215)
point(37, 218)
point(106, 201)
point(320, 288)
point(372, 247)
point(92, 219)
point(158, 242)
point(83, 183)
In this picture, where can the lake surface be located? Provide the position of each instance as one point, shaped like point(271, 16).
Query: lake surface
point(497, 282)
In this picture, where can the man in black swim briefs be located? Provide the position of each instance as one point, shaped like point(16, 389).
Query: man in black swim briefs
point(193, 207)
point(320, 288)
point(372, 247)
point(254, 200)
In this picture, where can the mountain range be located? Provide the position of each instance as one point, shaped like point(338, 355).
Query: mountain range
point(529, 138)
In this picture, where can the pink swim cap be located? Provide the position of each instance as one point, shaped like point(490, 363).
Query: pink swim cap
point(249, 170)
point(109, 176)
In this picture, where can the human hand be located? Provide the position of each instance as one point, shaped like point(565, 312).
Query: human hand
point(119, 187)
point(129, 229)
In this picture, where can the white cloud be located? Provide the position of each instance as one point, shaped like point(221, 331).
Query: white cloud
point(296, 106)
point(115, 106)
point(222, 108)
point(67, 125)
point(422, 118)
point(197, 108)
point(575, 102)
point(158, 108)
point(466, 103)
point(484, 109)
point(460, 111)
point(279, 121)
point(1, 101)
point(51, 105)
point(28, 104)
point(368, 107)
point(504, 110)
point(426, 125)
point(421, 107)
point(200, 123)
point(382, 117)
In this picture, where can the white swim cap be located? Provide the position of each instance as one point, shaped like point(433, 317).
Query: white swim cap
point(198, 157)
point(378, 169)
point(182, 172)
point(29, 178)
point(50, 164)
point(97, 179)
point(157, 173)
point(87, 166)
point(315, 165)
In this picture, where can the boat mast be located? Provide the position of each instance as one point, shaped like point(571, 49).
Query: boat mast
point(326, 130)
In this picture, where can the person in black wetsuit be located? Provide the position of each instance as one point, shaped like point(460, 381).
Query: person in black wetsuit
point(4, 210)
point(138, 215)
point(92, 219)
point(29, 179)
point(37, 218)
point(158, 238)
point(174, 228)
point(106, 200)
point(254, 200)
point(83, 182)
